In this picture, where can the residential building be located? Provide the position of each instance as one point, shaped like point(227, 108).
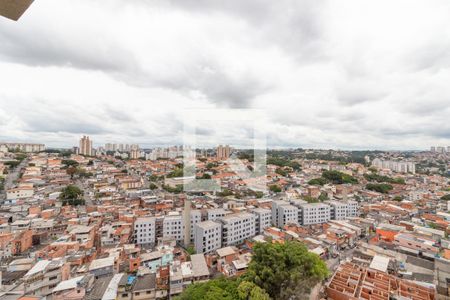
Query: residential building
point(315, 213)
point(208, 236)
point(145, 231)
point(263, 219)
point(236, 228)
point(85, 146)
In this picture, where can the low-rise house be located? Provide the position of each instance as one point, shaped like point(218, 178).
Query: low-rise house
point(102, 267)
point(73, 289)
point(45, 276)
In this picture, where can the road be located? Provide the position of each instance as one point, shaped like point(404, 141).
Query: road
point(12, 176)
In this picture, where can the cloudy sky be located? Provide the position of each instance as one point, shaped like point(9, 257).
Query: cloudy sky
point(350, 74)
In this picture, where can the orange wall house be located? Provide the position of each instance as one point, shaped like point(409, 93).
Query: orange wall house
point(387, 232)
point(22, 242)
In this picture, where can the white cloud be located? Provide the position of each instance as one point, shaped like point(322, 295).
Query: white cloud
point(330, 74)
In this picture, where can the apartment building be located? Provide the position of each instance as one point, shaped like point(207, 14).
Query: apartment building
point(341, 210)
point(263, 219)
point(315, 213)
point(237, 227)
point(173, 227)
point(396, 166)
point(284, 213)
point(85, 146)
point(338, 210)
point(215, 213)
point(24, 147)
point(196, 217)
point(207, 236)
point(145, 231)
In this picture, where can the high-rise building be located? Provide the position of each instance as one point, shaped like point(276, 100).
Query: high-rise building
point(25, 147)
point(135, 153)
point(223, 152)
point(85, 146)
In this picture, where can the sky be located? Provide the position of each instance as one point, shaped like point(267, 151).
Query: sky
point(351, 74)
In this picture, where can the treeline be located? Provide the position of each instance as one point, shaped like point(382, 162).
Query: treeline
point(334, 177)
point(383, 188)
point(386, 179)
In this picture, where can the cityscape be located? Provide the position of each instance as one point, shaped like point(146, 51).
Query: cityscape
point(241, 150)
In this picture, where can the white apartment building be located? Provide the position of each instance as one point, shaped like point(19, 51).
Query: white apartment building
point(145, 231)
point(352, 209)
point(237, 227)
point(396, 166)
point(284, 213)
point(338, 210)
point(173, 227)
point(24, 147)
point(315, 213)
point(216, 213)
point(196, 217)
point(207, 236)
point(341, 210)
point(263, 219)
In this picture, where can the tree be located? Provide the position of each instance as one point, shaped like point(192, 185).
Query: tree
point(69, 163)
point(204, 176)
point(71, 171)
point(398, 198)
point(224, 289)
point(285, 271)
point(317, 181)
point(446, 197)
point(153, 186)
point(220, 288)
point(379, 187)
point(281, 172)
point(190, 250)
point(337, 177)
point(249, 290)
point(275, 188)
point(71, 195)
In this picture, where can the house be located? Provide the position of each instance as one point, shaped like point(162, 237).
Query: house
point(73, 289)
point(45, 276)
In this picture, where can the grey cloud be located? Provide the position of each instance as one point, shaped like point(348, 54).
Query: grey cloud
point(296, 26)
point(45, 47)
point(357, 92)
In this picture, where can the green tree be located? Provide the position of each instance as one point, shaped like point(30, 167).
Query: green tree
point(249, 290)
point(153, 186)
point(398, 198)
point(71, 195)
point(379, 187)
point(317, 181)
point(220, 288)
point(281, 172)
point(446, 197)
point(337, 177)
point(285, 271)
point(275, 188)
point(69, 163)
